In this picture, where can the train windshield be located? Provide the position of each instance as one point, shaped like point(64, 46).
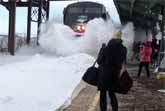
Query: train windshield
point(86, 10)
point(78, 14)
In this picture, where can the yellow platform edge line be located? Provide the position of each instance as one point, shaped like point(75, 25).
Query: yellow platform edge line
point(93, 106)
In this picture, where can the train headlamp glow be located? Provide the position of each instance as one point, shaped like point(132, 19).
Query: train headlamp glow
point(83, 27)
point(79, 27)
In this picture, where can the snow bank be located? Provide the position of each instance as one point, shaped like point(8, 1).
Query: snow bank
point(41, 83)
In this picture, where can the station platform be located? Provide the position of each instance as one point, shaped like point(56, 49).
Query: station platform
point(143, 96)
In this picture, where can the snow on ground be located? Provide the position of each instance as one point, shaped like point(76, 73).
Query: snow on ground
point(43, 78)
point(41, 83)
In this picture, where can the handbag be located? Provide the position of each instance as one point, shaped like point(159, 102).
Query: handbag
point(91, 75)
point(124, 83)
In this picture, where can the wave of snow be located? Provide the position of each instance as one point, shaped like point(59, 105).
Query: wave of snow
point(60, 39)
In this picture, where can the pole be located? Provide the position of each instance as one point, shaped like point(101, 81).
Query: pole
point(47, 9)
point(161, 68)
point(39, 20)
point(29, 22)
point(11, 38)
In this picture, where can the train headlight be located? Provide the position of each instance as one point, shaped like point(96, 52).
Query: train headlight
point(78, 27)
point(83, 27)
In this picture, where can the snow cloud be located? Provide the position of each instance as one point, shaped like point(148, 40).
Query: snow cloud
point(60, 39)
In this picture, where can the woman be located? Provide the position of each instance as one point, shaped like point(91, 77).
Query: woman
point(110, 62)
point(145, 57)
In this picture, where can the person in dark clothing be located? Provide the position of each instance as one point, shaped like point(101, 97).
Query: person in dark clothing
point(155, 52)
point(110, 62)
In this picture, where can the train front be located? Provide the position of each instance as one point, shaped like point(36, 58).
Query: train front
point(76, 15)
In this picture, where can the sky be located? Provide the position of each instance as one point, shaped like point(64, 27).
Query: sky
point(56, 12)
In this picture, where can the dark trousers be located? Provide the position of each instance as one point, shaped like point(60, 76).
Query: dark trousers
point(146, 64)
point(103, 100)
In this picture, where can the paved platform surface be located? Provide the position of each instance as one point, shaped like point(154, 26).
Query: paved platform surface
point(84, 100)
point(142, 97)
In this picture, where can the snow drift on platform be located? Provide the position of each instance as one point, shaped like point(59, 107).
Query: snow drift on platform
point(39, 83)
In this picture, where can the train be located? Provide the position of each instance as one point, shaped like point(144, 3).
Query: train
point(78, 14)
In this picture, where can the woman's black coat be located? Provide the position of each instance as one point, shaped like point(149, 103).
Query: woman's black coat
point(110, 62)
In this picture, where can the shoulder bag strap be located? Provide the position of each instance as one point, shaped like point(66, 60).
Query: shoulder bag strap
point(100, 52)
